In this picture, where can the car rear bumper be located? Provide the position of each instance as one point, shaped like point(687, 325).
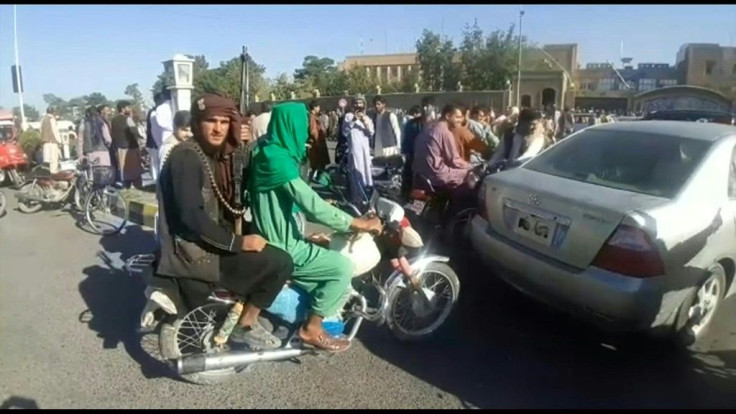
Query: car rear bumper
point(609, 300)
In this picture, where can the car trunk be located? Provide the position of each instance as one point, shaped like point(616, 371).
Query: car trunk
point(563, 219)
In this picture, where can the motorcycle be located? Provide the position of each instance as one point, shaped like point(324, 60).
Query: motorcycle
point(13, 162)
point(430, 206)
point(414, 301)
point(46, 189)
point(386, 172)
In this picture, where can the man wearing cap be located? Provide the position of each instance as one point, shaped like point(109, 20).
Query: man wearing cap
point(358, 128)
point(196, 196)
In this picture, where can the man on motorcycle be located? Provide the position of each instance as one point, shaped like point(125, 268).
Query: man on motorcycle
point(436, 154)
point(277, 192)
point(437, 157)
point(196, 195)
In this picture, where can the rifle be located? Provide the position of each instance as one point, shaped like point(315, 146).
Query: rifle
point(239, 154)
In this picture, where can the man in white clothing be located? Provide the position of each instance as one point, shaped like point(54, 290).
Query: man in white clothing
point(260, 123)
point(358, 128)
point(51, 139)
point(387, 141)
point(182, 132)
point(527, 141)
point(162, 126)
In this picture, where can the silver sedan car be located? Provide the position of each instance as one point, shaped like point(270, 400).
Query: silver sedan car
point(630, 225)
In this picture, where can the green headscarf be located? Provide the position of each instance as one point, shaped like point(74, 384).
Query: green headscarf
point(278, 157)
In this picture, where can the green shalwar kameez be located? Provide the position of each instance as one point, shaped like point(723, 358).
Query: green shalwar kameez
point(277, 191)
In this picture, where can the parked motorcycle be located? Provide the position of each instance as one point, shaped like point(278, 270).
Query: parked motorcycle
point(415, 301)
point(386, 174)
point(56, 190)
point(13, 162)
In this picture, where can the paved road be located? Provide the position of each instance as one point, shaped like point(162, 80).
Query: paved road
point(68, 316)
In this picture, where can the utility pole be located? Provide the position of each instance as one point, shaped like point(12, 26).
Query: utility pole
point(518, 74)
point(23, 124)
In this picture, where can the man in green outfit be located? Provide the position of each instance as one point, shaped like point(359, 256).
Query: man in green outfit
point(276, 192)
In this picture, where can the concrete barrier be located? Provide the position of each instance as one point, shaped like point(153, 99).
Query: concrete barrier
point(142, 206)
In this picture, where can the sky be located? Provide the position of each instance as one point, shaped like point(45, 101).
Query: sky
point(74, 50)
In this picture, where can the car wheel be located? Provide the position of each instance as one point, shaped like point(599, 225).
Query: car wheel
point(698, 311)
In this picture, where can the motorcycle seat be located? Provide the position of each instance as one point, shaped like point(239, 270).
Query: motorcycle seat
point(393, 161)
point(422, 195)
point(66, 175)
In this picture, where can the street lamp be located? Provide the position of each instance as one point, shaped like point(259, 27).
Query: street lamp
point(518, 74)
point(23, 124)
point(180, 70)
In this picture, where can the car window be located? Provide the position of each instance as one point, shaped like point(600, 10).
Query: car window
point(691, 117)
point(732, 175)
point(651, 164)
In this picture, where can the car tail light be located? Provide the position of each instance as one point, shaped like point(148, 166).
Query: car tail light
point(631, 252)
point(482, 209)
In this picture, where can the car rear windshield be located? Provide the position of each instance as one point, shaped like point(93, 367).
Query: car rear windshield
point(651, 164)
point(692, 117)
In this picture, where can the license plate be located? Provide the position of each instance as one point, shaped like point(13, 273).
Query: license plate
point(417, 206)
point(535, 228)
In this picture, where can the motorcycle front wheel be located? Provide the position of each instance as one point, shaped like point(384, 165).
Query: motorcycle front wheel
point(411, 318)
point(30, 207)
point(192, 334)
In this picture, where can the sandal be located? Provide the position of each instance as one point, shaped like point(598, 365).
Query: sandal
point(328, 343)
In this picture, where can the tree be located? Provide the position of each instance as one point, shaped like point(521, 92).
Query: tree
point(282, 87)
point(435, 57)
point(356, 80)
point(96, 99)
point(225, 79)
point(61, 105)
point(136, 96)
point(408, 80)
point(488, 62)
point(32, 114)
point(318, 73)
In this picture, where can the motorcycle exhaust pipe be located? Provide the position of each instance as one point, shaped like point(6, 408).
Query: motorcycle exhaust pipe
point(26, 198)
point(191, 364)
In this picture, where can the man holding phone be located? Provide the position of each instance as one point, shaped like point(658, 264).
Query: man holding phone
point(359, 130)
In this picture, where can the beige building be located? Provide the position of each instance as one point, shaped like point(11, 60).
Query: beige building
point(385, 67)
point(709, 66)
point(704, 76)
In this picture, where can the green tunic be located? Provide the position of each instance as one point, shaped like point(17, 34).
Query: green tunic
point(324, 274)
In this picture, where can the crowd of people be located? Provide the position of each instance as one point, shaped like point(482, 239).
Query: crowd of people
point(192, 155)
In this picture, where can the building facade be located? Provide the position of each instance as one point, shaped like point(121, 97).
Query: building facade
point(704, 76)
point(391, 68)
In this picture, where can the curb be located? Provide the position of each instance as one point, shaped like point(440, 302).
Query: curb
point(142, 207)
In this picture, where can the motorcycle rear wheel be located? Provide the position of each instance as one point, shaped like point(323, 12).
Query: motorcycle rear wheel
point(30, 207)
point(420, 323)
point(193, 334)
